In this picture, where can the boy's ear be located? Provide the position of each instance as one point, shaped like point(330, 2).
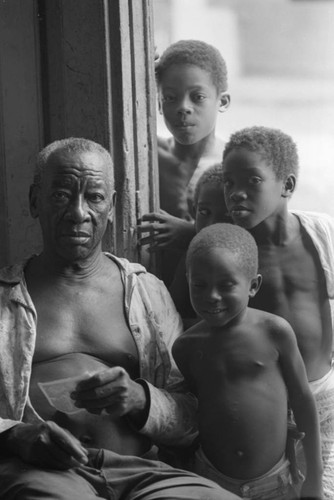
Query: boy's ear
point(255, 286)
point(225, 101)
point(159, 105)
point(112, 207)
point(33, 200)
point(289, 186)
point(193, 210)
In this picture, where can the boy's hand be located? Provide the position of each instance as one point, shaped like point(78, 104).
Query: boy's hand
point(46, 445)
point(311, 490)
point(165, 230)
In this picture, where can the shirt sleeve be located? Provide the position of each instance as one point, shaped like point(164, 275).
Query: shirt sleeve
point(172, 417)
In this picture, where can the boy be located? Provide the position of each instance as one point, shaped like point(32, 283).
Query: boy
point(209, 208)
point(296, 258)
point(192, 88)
point(239, 362)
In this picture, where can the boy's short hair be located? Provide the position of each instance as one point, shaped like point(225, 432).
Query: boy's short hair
point(213, 175)
point(274, 145)
point(233, 238)
point(199, 54)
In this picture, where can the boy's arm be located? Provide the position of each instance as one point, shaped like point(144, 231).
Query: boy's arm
point(165, 230)
point(181, 354)
point(303, 406)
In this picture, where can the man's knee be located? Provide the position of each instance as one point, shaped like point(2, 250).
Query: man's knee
point(21, 481)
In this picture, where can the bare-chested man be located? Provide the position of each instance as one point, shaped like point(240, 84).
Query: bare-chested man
point(296, 257)
point(75, 311)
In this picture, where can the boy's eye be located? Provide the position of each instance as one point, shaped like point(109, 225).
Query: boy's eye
point(227, 183)
point(168, 98)
point(254, 180)
point(197, 284)
point(198, 97)
point(203, 211)
point(226, 285)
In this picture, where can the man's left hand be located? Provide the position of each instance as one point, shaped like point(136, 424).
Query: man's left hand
point(111, 390)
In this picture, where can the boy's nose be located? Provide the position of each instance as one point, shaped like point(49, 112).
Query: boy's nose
point(183, 112)
point(213, 295)
point(238, 194)
point(184, 107)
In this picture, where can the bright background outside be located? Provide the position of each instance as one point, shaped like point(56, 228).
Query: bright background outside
point(280, 58)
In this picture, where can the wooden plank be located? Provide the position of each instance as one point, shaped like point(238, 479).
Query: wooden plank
point(21, 126)
point(97, 81)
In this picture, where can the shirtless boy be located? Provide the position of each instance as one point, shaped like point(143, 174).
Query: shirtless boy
point(209, 208)
point(192, 87)
point(243, 364)
point(296, 258)
point(74, 310)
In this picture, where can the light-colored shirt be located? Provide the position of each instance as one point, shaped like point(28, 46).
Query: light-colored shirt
point(154, 324)
point(320, 228)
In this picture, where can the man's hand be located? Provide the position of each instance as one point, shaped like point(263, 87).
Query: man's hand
point(111, 390)
point(165, 230)
point(46, 445)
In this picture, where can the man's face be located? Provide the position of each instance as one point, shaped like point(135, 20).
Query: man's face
point(74, 203)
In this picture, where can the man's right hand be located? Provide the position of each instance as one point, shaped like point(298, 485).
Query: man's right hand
point(46, 445)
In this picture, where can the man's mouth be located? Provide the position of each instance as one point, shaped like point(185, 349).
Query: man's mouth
point(76, 236)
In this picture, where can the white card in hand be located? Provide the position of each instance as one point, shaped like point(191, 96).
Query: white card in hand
point(58, 393)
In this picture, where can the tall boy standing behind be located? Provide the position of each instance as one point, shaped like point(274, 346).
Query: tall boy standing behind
point(239, 362)
point(192, 85)
point(296, 258)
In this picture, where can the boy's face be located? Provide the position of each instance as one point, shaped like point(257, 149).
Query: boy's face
point(189, 102)
point(219, 289)
point(210, 207)
point(252, 191)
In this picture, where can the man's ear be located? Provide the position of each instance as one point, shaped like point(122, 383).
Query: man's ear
point(289, 186)
point(33, 200)
point(112, 207)
point(255, 286)
point(225, 101)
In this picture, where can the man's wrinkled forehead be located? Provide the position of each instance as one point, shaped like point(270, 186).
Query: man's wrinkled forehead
point(63, 166)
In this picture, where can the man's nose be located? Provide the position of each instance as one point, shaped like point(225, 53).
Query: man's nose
point(77, 211)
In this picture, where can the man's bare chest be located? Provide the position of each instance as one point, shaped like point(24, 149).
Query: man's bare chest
point(88, 320)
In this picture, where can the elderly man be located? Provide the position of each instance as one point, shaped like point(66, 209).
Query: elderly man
point(74, 311)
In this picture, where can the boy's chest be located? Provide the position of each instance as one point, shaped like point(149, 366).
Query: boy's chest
point(249, 357)
point(294, 268)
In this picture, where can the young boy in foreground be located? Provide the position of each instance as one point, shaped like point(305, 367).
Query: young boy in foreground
point(192, 88)
point(243, 364)
point(296, 259)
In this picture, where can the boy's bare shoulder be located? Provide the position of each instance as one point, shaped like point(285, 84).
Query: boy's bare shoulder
point(192, 334)
point(272, 324)
point(165, 144)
